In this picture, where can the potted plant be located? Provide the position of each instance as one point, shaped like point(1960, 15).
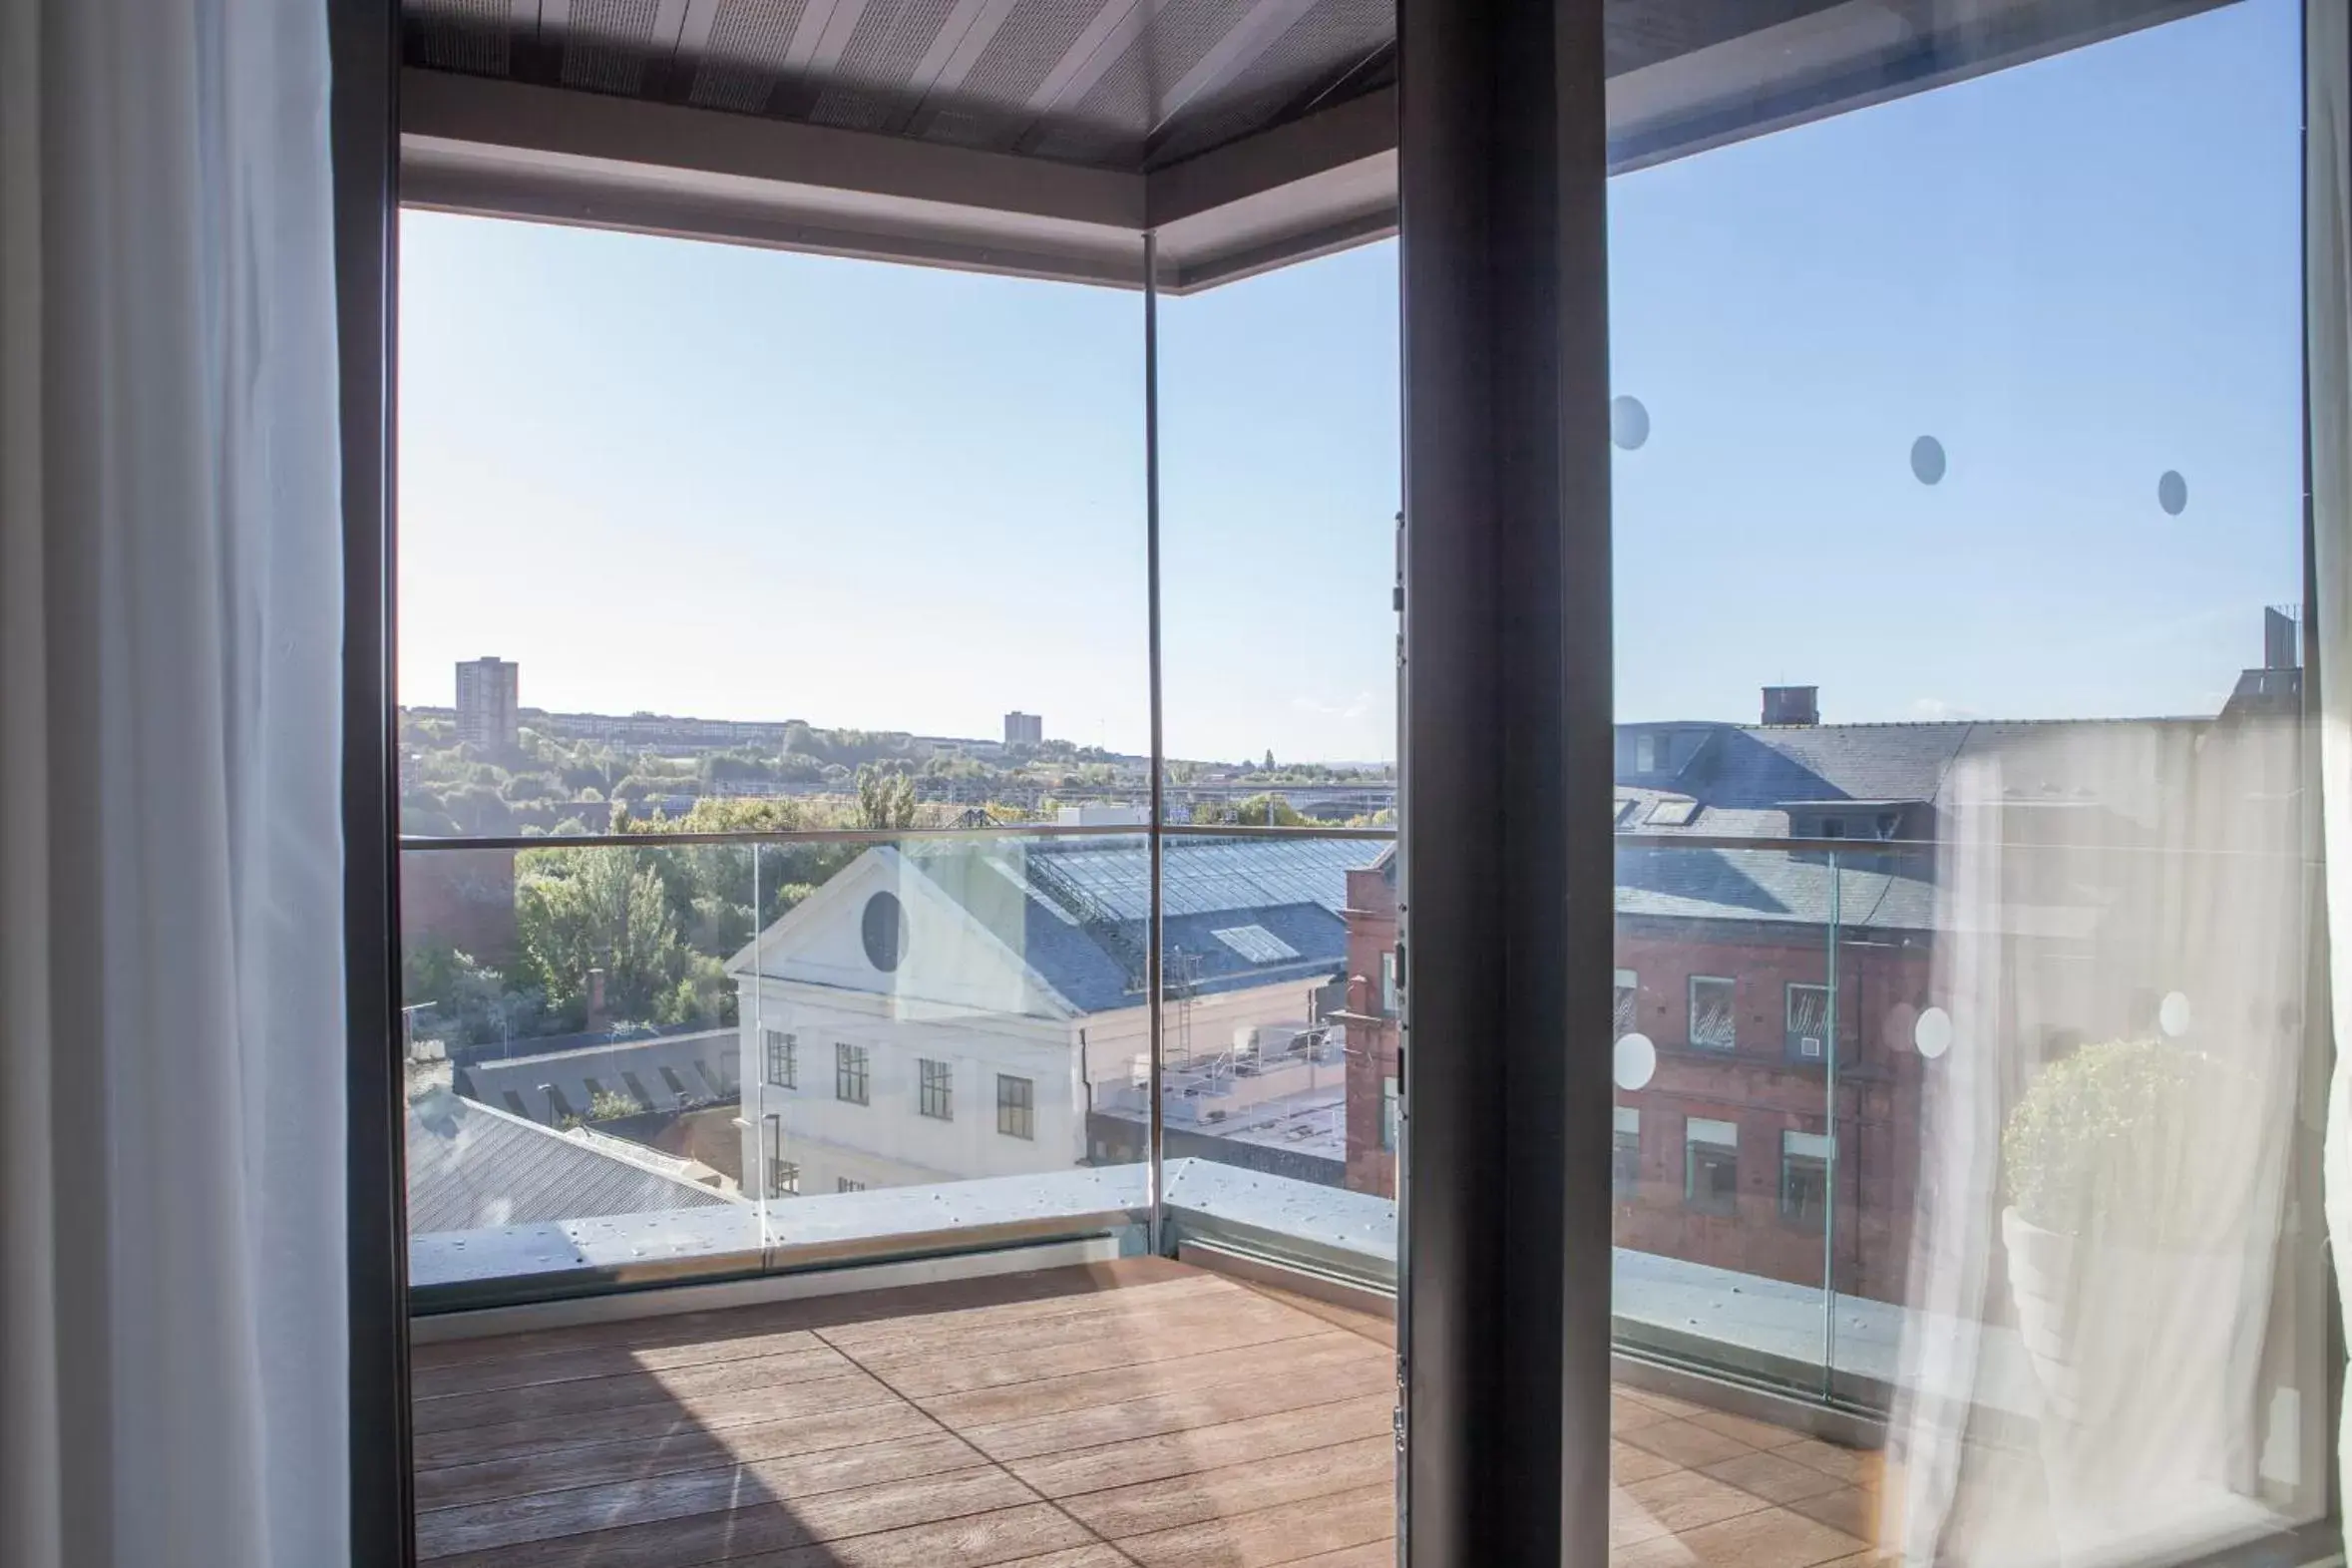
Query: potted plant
point(2132, 1168)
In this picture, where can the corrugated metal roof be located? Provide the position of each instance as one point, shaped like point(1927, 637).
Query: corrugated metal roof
point(472, 1166)
point(1078, 911)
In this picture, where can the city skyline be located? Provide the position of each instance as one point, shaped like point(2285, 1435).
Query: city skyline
point(902, 493)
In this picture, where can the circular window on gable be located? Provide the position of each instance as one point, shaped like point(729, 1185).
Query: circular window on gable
point(885, 931)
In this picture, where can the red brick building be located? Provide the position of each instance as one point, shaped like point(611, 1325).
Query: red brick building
point(1721, 1153)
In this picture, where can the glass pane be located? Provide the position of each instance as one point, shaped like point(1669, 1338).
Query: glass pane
point(1966, 1158)
point(574, 1073)
point(1282, 1082)
point(781, 529)
point(795, 545)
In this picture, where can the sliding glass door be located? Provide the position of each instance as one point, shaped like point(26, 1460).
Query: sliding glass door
point(1964, 1046)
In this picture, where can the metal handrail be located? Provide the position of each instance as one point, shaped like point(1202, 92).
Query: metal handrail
point(1023, 830)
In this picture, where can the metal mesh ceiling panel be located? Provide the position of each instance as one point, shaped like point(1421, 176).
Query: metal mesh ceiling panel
point(1105, 83)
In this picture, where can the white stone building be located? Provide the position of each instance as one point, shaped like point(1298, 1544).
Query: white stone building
point(944, 1012)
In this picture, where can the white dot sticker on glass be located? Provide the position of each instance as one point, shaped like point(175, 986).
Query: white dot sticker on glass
point(1637, 1061)
point(2174, 1017)
point(1933, 1032)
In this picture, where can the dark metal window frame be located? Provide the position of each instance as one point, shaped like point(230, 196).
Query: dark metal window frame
point(935, 1088)
point(1507, 924)
point(1796, 1211)
point(1017, 1107)
point(853, 1073)
point(1704, 1158)
point(1732, 1009)
point(782, 1050)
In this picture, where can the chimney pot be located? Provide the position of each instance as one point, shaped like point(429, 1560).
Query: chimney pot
point(1792, 704)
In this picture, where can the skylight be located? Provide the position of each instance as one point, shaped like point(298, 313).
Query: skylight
point(1255, 944)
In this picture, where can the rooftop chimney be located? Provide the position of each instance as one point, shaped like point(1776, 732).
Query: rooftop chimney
point(1792, 704)
point(2283, 639)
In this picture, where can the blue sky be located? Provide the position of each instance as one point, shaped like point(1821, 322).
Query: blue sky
point(746, 483)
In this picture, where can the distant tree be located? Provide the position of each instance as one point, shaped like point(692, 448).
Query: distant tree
point(1269, 759)
point(885, 800)
point(1256, 811)
point(463, 1002)
point(527, 787)
point(477, 808)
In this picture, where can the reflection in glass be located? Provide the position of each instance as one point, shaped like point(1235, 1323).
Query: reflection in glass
point(1281, 1031)
point(1979, 1127)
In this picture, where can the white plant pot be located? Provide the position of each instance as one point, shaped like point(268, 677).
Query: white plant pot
point(2144, 1357)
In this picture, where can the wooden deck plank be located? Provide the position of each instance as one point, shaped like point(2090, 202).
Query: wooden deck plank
point(720, 1412)
point(695, 1449)
point(1135, 1344)
point(765, 1526)
point(1252, 1438)
point(1371, 1554)
point(1147, 1312)
point(1032, 1535)
point(946, 1323)
point(1269, 1536)
point(1208, 1495)
point(1202, 1420)
point(1150, 1413)
point(590, 1395)
point(525, 1371)
point(791, 1480)
point(1113, 1385)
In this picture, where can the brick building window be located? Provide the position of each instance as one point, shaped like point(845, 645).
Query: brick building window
point(845, 1184)
point(935, 1093)
point(1625, 1152)
point(783, 1052)
point(1388, 1108)
point(1016, 1106)
point(1805, 1178)
point(1710, 1166)
point(1809, 1023)
point(1714, 1026)
point(1629, 986)
point(851, 1080)
point(1389, 983)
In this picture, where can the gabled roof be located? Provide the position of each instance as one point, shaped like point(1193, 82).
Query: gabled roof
point(1075, 912)
point(1874, 890)
point(472, 1166)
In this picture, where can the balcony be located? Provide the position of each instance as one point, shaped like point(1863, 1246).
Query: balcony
point(1134, 1413)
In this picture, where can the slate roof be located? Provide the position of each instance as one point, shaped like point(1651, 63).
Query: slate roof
point(2110, 775)
point(702, 1064)
point(1876, 890)
point(472, 1166)
point(1077, 908)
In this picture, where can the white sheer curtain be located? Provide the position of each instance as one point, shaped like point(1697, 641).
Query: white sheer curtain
point(173, 1358)
point(2328, 370)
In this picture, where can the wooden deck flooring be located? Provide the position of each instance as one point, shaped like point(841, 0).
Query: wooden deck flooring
point(1137, 1414)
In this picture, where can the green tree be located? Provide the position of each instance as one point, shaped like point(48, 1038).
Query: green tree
point(610, 1105)
point(588, 909)
point(885, 800)
point(1256, 811)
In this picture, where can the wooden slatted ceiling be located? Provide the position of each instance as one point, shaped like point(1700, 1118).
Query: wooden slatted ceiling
point(1140, 1415)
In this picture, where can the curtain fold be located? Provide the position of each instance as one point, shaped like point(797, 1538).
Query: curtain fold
point(2327, 46)
point(172, 1313)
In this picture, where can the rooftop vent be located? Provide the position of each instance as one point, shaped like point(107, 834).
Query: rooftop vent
point(1792, 704)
